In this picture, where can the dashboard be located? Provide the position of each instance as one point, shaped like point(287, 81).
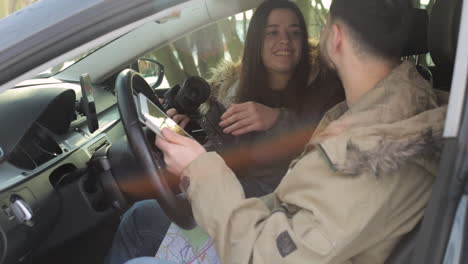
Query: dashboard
point(47, 194)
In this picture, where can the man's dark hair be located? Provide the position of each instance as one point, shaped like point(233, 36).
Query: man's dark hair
point(380, 27)
point(253, 79)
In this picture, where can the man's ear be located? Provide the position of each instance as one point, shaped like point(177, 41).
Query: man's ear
point(336, 40)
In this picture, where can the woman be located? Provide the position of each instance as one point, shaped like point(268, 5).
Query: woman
point(268, 97)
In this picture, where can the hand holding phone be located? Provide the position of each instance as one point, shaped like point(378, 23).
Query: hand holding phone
point(155, 118)
point(178, 151)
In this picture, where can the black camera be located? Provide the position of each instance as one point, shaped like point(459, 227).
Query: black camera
point(187, 98)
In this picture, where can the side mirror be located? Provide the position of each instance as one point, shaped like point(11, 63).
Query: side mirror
point(152, 70)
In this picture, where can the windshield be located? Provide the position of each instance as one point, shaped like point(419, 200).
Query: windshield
point(62, 66)
point(8, 7)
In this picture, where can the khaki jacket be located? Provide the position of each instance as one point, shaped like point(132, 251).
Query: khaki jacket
point(362, 182)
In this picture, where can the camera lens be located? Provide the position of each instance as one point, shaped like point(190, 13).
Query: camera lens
point(193, 92)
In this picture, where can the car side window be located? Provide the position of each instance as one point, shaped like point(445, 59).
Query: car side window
point(8, 7)
point(198, 52)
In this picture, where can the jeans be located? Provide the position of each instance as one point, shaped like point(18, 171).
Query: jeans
point(141, 231)
point(144, 226)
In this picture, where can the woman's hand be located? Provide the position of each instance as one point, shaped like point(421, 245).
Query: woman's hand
point(247, 117)
point(179, 151)
point(181, 120)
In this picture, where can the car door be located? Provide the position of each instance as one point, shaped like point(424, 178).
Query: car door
point(443, 237)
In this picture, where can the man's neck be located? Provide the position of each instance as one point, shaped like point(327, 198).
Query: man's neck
point(278, 81)
point(361, 76)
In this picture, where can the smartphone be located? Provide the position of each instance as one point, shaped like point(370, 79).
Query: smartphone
point(155, 118)
point(87, 102)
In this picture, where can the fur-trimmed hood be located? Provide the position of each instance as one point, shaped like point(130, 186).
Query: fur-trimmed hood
point(401, 119)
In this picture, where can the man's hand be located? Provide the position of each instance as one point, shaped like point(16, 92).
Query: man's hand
point(247, 117)
point(179, 151)
point(181, 120)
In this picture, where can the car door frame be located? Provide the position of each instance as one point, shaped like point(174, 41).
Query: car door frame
point(80, 26)
point(443, 237)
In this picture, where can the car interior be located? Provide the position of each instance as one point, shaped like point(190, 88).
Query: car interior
point(442, 25)
point(66, 178)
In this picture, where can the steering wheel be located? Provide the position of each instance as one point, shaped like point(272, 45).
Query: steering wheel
point(177, 208)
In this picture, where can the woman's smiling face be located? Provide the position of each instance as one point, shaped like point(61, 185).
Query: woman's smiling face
point(282, 42)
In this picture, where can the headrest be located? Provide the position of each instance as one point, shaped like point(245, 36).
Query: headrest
point(417, 41)
point(443, 31)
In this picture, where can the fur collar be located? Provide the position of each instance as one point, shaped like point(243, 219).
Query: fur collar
point(399, 120)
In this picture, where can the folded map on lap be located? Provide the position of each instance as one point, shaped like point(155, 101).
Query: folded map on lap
point(187, 246)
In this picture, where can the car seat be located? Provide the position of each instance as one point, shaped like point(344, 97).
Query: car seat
point(443, 36)
point(417, 42)
point(442, 40)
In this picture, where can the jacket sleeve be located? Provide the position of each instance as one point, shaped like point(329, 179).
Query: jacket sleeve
point(316, 221)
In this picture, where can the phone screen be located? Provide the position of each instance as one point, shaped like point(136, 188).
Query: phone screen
point(156, 117)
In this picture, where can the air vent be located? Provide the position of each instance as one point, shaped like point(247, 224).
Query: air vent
point(34, 149)
point(78, 116)
point(78, 113)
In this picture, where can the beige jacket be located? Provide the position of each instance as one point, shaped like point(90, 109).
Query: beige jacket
point(361, 184)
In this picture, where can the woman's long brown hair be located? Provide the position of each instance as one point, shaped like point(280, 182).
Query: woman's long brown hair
point(253, 78)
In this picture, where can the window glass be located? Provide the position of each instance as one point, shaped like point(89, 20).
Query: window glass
point(198, 52)
point(426, 4)
point(63, 65)
point(8, 7)
point(315, 14)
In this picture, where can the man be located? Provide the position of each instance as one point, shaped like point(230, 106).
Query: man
point(365, 176)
